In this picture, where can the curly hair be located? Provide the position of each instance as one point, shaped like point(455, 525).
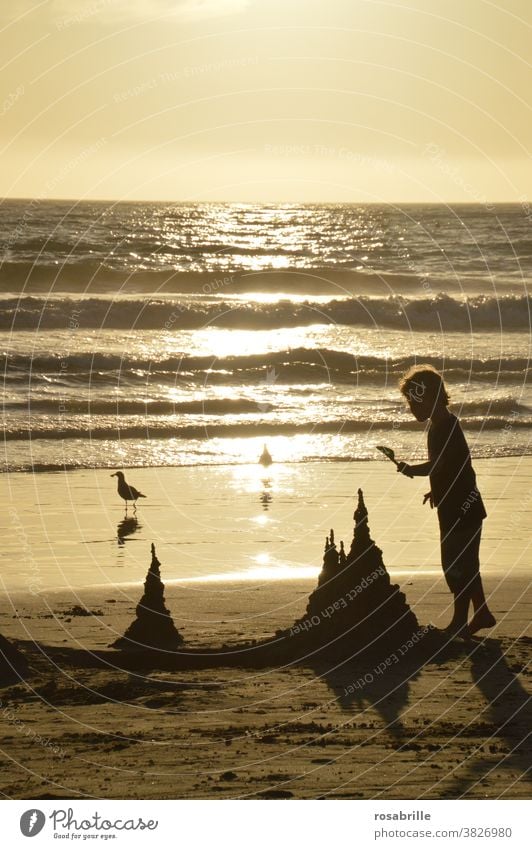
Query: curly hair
point(421, 380)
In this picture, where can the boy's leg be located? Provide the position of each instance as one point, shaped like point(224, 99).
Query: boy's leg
point(460, 560)
point(483, 617)
point(451, 561)
point(458, 625)
point(477, 593)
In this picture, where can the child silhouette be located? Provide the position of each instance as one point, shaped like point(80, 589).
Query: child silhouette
point(454, 493)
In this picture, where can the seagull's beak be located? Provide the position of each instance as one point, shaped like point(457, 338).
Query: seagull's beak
point(113, 475)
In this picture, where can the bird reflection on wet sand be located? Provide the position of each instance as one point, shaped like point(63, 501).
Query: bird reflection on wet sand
point(128, 526)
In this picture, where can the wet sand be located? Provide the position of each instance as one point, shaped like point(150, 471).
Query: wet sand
point(70, 530)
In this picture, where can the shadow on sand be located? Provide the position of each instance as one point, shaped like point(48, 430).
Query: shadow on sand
point(506, 718)
point(498, 737)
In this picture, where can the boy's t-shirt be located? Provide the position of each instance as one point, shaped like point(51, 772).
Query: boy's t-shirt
point(452, 479)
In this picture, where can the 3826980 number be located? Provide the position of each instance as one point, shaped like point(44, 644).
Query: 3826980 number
point(499, 831)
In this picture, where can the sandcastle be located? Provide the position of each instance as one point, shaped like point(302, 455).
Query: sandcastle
point(355, 605)
point(354, 610)
point(153, 627)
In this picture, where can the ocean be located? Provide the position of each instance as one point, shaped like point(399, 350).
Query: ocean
point(162, 334)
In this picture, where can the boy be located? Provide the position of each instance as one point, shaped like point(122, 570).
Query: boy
point(455, 495)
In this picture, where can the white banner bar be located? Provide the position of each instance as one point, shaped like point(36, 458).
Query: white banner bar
point(267, 824)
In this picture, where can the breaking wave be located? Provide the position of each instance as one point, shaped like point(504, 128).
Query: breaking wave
point(123, 407)
point(443, 312)
point(154, 429)
point(292, 365)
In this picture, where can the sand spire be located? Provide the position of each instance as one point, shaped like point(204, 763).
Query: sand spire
point(153, 627)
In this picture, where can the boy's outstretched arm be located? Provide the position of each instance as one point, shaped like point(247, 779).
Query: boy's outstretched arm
point(420, 470)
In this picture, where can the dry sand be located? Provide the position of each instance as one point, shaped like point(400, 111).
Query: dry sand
point(458, 726)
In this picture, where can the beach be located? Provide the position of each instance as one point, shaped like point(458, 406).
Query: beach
point(237, 568)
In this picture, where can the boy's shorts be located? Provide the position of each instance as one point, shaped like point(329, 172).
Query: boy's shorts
point(460, 554)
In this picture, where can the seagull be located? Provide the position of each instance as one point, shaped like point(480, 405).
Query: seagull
point(125, 491)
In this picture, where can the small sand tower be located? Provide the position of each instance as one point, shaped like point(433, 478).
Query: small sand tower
point(330, 560)
point(153, 627)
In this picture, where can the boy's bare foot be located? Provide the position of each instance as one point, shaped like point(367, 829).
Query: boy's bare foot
point(457, 629)
point(481, 619)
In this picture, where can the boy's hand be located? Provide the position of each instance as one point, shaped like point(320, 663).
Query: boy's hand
point(428, 497)
point(405, 469)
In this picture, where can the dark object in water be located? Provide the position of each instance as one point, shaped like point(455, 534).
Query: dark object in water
point(265, 457)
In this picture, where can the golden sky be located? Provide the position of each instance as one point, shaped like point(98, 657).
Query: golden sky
point(269, 100)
